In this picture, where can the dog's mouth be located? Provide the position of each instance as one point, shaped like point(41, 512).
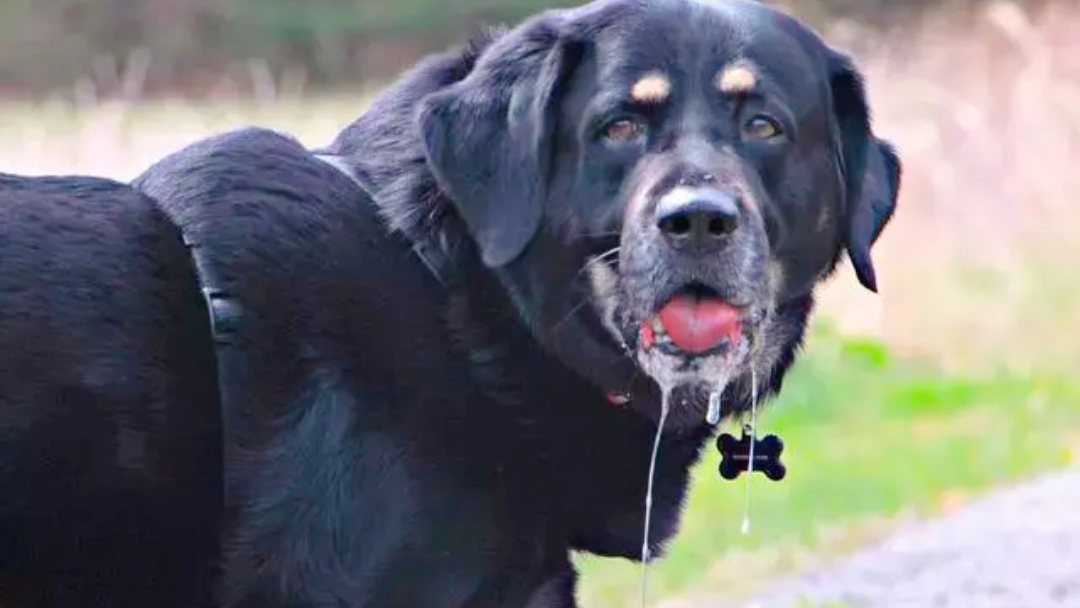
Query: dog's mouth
point(690, 334)
point(694, 322)
point(696, 337)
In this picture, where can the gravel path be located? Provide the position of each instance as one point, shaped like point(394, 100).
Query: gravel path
point(1019, 548)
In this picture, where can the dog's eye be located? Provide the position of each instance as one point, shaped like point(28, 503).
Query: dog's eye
point(624, 129)
point(761, 126)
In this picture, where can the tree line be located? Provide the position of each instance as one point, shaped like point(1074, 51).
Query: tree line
point(146, 47)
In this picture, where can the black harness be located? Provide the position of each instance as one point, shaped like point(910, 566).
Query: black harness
point(225, 311)
point(223, 307)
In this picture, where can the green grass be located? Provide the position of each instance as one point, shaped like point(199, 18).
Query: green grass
point(870, 440)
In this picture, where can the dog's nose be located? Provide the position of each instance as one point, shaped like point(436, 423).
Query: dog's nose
point(697, 217)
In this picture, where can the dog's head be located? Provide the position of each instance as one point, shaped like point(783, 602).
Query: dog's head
point(671, 172)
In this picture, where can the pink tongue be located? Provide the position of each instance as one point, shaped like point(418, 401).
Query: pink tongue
point(696, 325)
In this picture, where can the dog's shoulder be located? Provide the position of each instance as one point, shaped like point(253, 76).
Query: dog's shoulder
point(258, 193)
point(259, 169)
point(289, 235)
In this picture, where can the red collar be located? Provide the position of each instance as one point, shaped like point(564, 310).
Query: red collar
point(617, 399)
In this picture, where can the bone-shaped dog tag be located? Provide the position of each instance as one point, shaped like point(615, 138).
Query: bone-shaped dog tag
point(735, 455)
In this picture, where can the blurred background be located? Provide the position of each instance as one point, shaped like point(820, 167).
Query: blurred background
point(951, 382)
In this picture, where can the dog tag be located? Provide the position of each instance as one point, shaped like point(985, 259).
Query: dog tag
point(736, 453)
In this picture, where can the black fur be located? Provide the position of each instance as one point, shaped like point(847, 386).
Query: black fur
point(110, 436)
point(397, 428)
point(394, 441)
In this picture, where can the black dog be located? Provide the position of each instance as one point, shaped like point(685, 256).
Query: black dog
point(457, 319)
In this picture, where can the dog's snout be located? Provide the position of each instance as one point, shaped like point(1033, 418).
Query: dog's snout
point(697, 217)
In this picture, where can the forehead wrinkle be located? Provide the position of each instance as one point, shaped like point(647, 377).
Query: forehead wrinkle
point(779, 51)
point(728, 23)
point(721, 31)
point(654, 40)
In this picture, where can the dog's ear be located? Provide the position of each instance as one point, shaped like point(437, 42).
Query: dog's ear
point(873, 209)
point(489, 138)
point(869, 167)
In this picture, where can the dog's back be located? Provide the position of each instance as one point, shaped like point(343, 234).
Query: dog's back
point(110, 448)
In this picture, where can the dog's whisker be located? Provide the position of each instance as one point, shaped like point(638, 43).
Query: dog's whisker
point(610, 252)
point(601, 258)
point(569, 315)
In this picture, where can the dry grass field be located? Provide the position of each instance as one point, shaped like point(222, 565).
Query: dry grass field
point(977, 272)
point(977, 268)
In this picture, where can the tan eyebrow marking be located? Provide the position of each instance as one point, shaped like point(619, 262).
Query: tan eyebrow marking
point(651, 88)
point(737, 77)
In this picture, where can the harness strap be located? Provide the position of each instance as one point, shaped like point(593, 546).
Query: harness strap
point(225, 312)
point(223, 307)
